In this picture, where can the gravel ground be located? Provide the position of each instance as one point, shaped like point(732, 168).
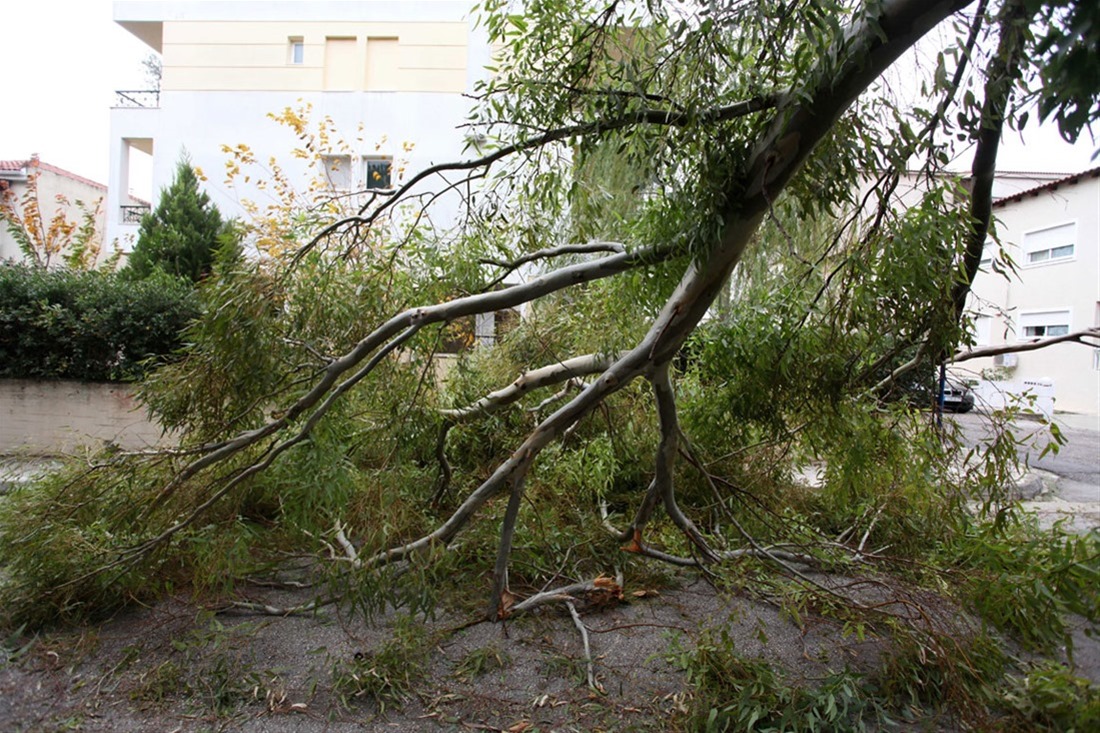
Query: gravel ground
point(177, 668)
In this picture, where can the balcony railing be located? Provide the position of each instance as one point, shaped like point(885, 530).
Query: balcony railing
point(132, 214)
point(146, 98)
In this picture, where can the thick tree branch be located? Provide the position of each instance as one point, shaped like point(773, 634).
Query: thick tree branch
point(1004, 71)
point(1077, 337)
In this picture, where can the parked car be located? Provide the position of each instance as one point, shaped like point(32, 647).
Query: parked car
point(957, 396)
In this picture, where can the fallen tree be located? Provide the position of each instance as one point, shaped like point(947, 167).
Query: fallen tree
point(746, 141)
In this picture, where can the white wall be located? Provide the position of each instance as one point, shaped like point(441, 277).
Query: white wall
point(1071, 284)
point(201, 120)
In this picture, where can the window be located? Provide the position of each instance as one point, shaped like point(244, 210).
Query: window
point(983, 330)
point(377, 172)
point(338, 171)
point(1044, 324)
point(1050, 245)
point(296, 50)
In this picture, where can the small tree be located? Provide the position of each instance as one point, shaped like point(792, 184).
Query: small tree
point(44, 238)
point(181, 235)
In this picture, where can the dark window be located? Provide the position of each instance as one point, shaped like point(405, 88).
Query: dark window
point(378, 173)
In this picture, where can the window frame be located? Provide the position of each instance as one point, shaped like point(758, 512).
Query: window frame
point(1049, 258)
point(347, 177)
point(295, 51)
point(1054, 320)
point(368, 179)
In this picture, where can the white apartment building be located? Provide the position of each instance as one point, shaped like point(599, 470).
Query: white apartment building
point(1052, 234)
point(390, 74)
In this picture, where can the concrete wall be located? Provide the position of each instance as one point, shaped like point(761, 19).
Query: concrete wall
point(49, 418)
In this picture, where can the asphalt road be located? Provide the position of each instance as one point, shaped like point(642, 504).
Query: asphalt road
point(1062, 484)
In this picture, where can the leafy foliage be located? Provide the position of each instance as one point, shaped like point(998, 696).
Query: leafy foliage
point(1069, 73)
point(87, 325)
point(182, 234)
point(738, 694)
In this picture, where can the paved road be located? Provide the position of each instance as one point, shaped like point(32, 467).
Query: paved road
point(1058, 485)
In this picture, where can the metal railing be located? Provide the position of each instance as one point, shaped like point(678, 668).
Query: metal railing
point(132, 214)
point(138, 98)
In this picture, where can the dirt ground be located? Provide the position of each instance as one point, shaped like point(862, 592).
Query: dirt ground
point(176, 667)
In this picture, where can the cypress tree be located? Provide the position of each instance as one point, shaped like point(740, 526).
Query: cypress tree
point(181, 235)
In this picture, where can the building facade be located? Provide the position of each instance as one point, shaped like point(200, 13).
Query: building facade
point(61, 193)
point(390, 77)
point(1051, 234)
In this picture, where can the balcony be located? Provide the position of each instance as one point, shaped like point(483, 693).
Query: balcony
point(132, 214)
point(137, 99)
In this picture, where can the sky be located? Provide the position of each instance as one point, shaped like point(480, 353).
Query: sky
point(63, 60)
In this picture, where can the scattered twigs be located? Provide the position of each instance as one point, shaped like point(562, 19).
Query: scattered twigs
point(264, 609)
point(782, 558)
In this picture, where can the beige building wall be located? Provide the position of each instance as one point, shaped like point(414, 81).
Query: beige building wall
point(1052, 293)
point(334, 56)
point(52, 183)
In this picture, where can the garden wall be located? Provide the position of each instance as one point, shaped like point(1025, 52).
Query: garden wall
point(53, 417)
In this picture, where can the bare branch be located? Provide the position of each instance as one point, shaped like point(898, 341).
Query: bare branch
point(592, 683)
point(532, 380)
point(1077, 337)
point(559, 251)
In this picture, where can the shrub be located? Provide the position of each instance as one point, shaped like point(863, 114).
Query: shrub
point(91, 326)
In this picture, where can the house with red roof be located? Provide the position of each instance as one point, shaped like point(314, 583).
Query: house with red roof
point(60, 192)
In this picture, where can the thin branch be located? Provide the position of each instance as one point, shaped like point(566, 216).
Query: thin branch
point(589, 667)
point(602, 585)
point(532, 380)
point(548, 253)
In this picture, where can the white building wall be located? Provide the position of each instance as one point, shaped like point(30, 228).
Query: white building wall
point(1069, 286)
point(228, 65)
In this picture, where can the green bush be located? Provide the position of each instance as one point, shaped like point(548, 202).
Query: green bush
point(90, 326)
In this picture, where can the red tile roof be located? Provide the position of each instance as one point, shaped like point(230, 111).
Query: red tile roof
point(18, 165)
point(1051, 186)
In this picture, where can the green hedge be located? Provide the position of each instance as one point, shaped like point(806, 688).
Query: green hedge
point(90, 326)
